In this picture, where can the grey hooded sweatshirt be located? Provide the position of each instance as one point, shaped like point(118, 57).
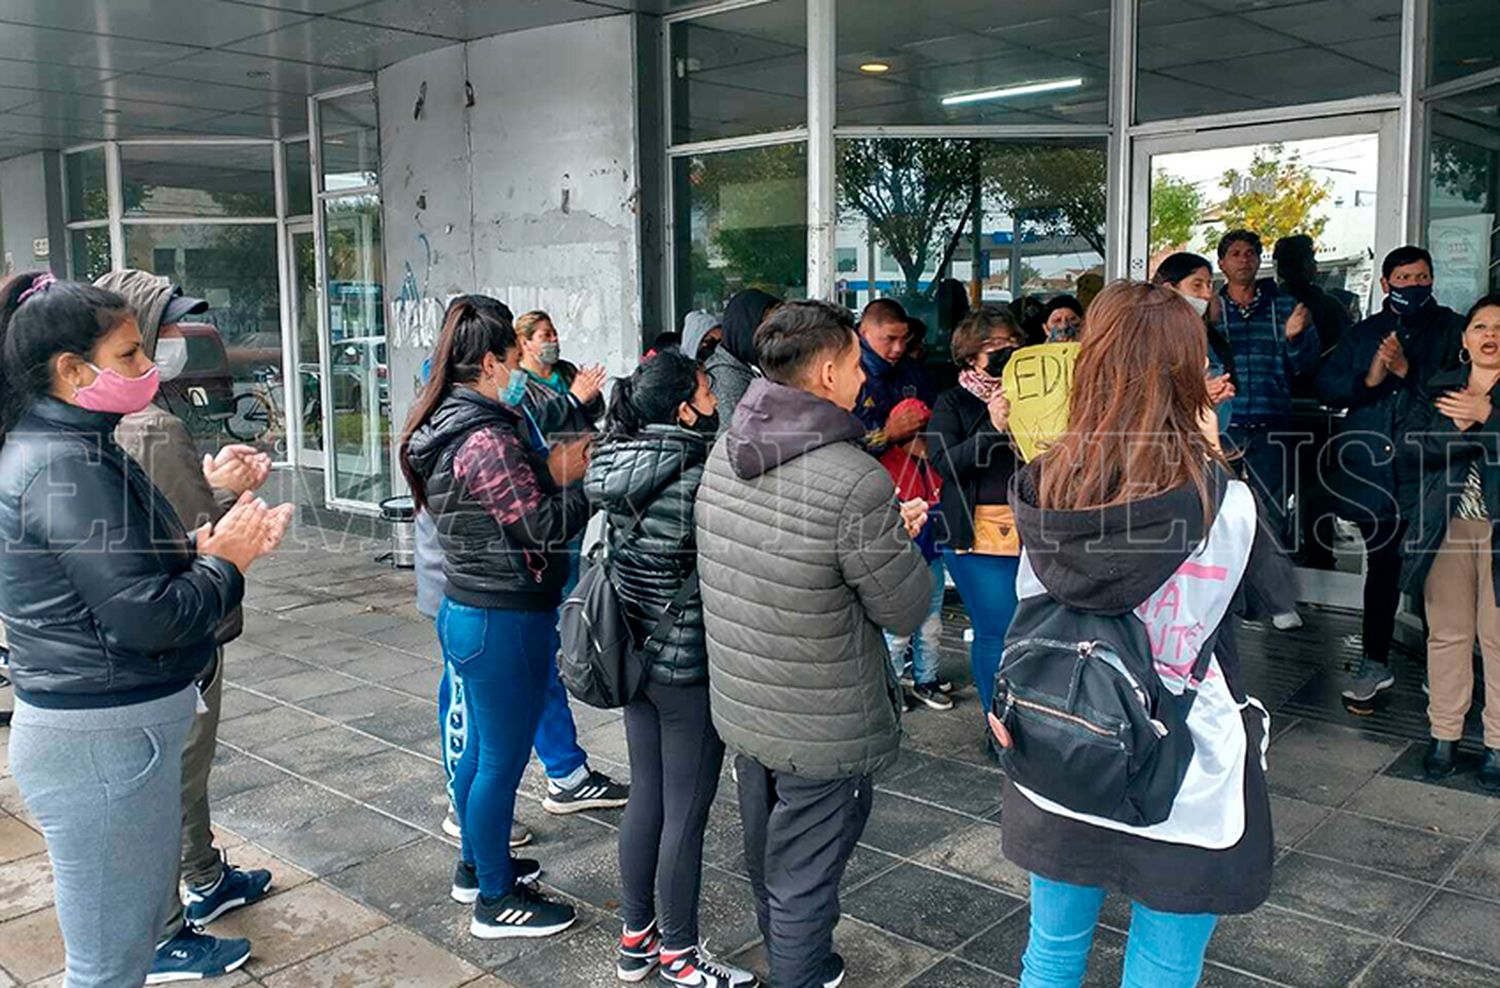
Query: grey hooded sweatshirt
point(803, 561)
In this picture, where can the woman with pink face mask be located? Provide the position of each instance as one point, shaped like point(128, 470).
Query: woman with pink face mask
point(111, 608)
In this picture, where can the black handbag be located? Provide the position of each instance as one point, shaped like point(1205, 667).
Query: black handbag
point(601, 664)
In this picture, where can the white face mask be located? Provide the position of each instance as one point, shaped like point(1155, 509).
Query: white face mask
point(1200, 305)
point(171, 357)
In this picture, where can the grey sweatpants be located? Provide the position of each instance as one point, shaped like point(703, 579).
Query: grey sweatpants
point(105, 786)
point(201, 862)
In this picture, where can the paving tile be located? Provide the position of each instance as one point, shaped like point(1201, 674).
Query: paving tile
point(325, 612)
point(1000, 948)
point(1464, 779)
point(234, 772)
point(585, 961)
point(1314, 781)
point(284, 875)
point(422, 804)
point(953, 785)
point(290, 637)
point(381, 772)
point(302, 686)
point(262, 668)
point(409, 636)
point(959, 733)
point(402, 882)
point(331, 843)
point(1459, 926)
point(871, 956)
point(317, 751)
point(365, 622)
point(268, 727)
point(340, 652)
point(1291, 949)
point(31, 946)
point(1343, 893)
point(1405, 967)
point(905, 827)
point(1421, 804)
point(1315, 741)
point(587, 869)
point(726, 908)
point(1479, 872)
point(18, 840)
point(929, 907)
point(411, 725)
point(363, 700)
point(388, 958)
point(241, 703)
point(1293, 819)
point(1397, 849)
point(953, 973)
point(975, 854)
point(447, 924)
point(397, 671)
point(296, 925)
point(281, 806)
point(25, 886)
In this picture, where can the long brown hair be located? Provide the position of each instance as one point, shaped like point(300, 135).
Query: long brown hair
point(474, 326)
point(1139, 394)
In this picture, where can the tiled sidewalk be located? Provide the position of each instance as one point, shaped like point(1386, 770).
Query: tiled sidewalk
point(327, 774)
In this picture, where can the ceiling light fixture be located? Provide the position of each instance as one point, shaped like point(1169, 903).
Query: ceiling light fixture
point(1025, 89)
point(875, 68)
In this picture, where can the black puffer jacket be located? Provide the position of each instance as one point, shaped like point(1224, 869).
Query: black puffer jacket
point(504, 529)
point(103, 596)
point(975, 461)
point(654, 477)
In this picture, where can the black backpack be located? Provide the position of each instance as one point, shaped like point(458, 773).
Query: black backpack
point(601, 663)
point(1092, 727)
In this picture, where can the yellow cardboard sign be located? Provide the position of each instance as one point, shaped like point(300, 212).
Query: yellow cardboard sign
point(1038, 381)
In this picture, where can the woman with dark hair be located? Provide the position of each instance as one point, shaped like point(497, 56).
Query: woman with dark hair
point(1062, 318)
point(1190, 276)
point(969, 444)
point(732, 365)
point(1133, 514)
point(1454, 560)
point(504, 516)
point(657, 435)
point(111, 608)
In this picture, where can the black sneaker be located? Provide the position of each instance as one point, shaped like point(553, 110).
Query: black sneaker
point(930, 695)
point(466, 880)
point(1489, 770)
point(596, 792)
point(944, 685)
point(523, 913)
point(193, 955)
point(638, 954)
point(1439, 761)
point(692, 968)
point(833, 971)
point(1368, 681)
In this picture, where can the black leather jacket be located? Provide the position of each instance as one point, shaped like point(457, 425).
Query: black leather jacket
point(655, 477)
point(104, 598)
point(521, 563)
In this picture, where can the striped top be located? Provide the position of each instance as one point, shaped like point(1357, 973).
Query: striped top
point(1471, 500)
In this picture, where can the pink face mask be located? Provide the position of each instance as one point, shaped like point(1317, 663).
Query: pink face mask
point(117, 394)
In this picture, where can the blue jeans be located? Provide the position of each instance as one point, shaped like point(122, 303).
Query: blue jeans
point(502, 659)
point(1165, 950)
point(928, 641)
point(988, 587)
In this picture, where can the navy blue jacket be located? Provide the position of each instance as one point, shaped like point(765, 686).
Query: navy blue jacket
point(886, 386)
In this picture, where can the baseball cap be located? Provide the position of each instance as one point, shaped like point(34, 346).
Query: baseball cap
point(181, 306)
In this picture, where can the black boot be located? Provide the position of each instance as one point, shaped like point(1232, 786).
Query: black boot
point(1489, 770)
point(1438, 762)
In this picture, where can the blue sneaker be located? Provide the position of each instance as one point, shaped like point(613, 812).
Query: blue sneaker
point(234, 888)
point(193, 955)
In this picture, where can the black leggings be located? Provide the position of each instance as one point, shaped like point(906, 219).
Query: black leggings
point(675, 757)
point(1382, 584)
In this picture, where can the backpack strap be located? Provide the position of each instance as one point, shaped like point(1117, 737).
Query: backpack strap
point(674, 610)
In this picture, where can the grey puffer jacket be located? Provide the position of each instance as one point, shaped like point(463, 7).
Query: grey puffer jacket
point(803, 561)
point(654, 477)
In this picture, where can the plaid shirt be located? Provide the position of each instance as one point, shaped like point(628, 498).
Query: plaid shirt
point(1265, 361)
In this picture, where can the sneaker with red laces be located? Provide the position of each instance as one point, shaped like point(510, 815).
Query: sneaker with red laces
point(693, 968)
point(639, 954)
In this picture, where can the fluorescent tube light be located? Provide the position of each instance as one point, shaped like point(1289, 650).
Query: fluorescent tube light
point(1025, 89)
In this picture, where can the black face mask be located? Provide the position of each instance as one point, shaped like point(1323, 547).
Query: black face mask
point(994, 364)
point(706, 423)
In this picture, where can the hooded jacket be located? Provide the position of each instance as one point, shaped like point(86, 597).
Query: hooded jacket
point(503, 525)
point(1112, 561)
point(104, 598)
point(696, 326)
point(654, 477)
point(157, 439)
point(731, 367)
point(886, 386)
point(803, 561)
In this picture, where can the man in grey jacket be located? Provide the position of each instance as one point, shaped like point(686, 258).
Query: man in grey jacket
point(805, 556)
point(200, 490)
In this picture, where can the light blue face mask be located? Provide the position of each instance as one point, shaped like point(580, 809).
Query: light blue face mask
point(515, 388)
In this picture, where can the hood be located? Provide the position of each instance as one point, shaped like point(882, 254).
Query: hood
point(875, 366)
point(1109, 560)
point(695, 326)
point(626, 475)
point(742, 317)
point(458, 414)
point(775, 424)
point(148, 295)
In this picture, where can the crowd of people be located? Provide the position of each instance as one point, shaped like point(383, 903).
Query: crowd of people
point(784, 495)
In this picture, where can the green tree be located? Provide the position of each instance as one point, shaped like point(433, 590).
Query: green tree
point(754, 205)
point(1276, 197)
point(1176, 205)
point(1059, 189)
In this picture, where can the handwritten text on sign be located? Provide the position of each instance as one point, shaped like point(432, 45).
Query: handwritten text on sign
point(1039, 383)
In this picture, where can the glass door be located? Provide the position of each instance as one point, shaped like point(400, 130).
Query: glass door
point(307, 381)
point(1336, 180)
